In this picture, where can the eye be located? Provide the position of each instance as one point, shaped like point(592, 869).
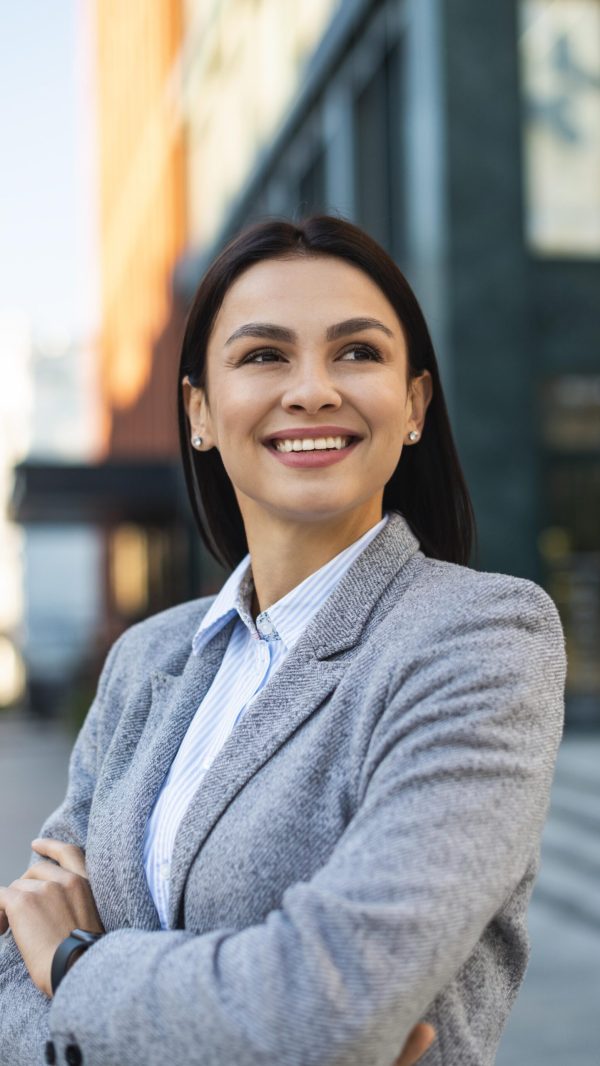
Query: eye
point(365, 349)
point(253, 356)
point(362, 352)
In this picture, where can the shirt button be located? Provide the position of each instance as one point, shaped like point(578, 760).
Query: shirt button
point(50, 1052)
point(265, 626)
point(73, 1055)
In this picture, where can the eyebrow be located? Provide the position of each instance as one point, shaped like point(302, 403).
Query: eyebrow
point(333, 333)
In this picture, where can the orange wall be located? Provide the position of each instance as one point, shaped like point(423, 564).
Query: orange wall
point(142, 219)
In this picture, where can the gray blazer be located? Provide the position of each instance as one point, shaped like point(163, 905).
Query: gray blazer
point(358, 857)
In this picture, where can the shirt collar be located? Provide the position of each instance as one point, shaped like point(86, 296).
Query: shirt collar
point(286, 619)
point(235, 598)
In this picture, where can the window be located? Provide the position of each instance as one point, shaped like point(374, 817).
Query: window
point(560, 73)
point(311, 187)
point(378, 121)
point(570, 543)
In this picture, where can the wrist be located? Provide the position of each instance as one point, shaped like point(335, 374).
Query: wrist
point(68, 951)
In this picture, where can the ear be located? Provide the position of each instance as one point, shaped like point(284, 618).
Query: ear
point(421, 392)
point(194, 402)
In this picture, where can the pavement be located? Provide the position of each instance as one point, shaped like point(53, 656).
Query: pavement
point(556, 1017)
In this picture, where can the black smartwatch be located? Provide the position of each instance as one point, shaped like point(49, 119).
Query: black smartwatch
point(78, 940)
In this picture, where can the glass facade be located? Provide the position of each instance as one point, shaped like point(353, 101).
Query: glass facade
point(570, 542)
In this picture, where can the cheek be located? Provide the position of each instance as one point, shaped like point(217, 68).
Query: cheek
point(234, 416)
point(384, 408)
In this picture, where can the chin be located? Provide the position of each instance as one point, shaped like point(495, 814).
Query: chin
point(314, 512)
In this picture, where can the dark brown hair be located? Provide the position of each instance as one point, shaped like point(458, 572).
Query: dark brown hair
point(427, 487)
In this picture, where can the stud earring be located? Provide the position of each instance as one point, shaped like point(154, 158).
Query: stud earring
point(196, 442)
point(413, 434)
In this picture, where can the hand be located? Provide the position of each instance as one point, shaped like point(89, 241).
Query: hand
point(45, 904)
point(419, 1041)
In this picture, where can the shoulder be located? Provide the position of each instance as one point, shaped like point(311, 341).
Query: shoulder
point(475, 650)
point(452, 614)
point(450, 594)
point(163, 641)
point(170, 625)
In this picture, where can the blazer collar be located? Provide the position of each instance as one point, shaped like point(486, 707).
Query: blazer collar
point(291, 614)
point(339, 623)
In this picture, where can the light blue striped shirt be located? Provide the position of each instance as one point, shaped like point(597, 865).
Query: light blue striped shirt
point(253, 654)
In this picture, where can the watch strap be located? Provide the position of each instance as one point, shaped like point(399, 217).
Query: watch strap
point(77, 939)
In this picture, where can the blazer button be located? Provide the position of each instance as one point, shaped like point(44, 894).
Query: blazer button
point(73, 1055)
point(50, 1052)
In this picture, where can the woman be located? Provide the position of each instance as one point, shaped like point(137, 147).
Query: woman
point(311, 806)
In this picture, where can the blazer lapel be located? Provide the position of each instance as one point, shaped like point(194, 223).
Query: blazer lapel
point(271, 718)
point(303, 682)
point(175, 700)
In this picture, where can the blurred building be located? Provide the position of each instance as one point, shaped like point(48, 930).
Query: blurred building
point(243, 64)
point(143, 230)
point(142, 217)
point(466, 139)
point(117, 512)
point(61, 551)
point(49, 572)
point(15, 421)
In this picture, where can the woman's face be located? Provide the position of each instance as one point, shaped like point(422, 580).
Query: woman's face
point(289, 370)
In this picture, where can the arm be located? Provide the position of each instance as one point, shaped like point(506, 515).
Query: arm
point(454, 791)
point(23, 1007)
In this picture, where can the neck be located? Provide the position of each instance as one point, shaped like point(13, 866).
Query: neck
point(285, 554)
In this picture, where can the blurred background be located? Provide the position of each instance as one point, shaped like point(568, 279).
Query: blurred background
point(136, 139)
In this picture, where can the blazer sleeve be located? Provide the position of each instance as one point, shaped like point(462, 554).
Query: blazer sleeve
point(23, 1007)
point(454, 790)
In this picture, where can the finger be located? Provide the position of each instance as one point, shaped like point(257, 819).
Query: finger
point(420, 1040)
point(69, 856)
point(48, 871)
point(22, 885)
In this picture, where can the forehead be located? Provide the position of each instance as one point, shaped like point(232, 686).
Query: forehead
point(307, 289)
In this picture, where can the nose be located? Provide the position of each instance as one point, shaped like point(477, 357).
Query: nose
point(310, 388)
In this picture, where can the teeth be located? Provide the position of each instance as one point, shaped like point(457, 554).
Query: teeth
point(309, 444)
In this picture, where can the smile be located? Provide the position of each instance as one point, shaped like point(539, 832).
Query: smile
point(312, 452)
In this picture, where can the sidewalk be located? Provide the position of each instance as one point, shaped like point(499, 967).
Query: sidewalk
point(556, 1019)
